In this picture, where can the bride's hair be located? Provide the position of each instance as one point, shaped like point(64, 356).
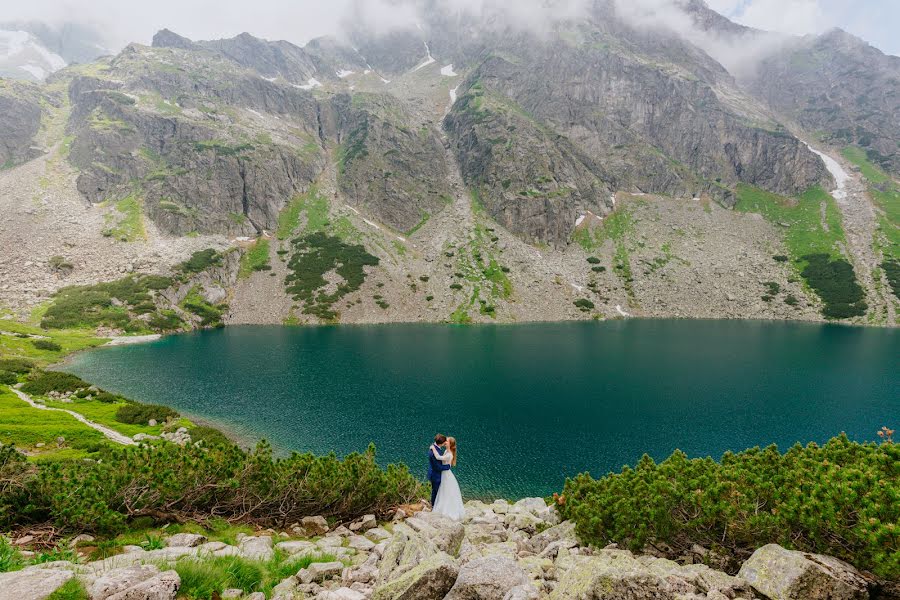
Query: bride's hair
point(451, 445)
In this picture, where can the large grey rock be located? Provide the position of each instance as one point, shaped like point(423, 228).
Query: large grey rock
point(118, 580)
point(314, 525)
point(364, 523)
point(32, 585)
point(185, 540)
point(522, 592)
point(257, 547)
point(613, 575)
point(444, 532)
point(296, 547)
point(406, 549)
point(343, 593)
point(318, 572)
point(557, 533)
point(163, 586)
point(782, 574)
point(430, 579)
point(489, 578)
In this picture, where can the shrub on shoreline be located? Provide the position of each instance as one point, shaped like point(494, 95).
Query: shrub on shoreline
point(170, 483)
point(838, 499)
point(140, 414)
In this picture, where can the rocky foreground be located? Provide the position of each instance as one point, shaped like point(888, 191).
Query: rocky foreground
point(500, 551)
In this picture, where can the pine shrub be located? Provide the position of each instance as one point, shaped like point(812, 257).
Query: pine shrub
point(838, 499)
point(140, 414)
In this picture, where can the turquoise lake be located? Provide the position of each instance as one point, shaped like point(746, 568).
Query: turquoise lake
point(529, 404)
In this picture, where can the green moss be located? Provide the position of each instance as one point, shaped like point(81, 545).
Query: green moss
point(313, 204)
point(200, 261)
point(255, 259)
point(127, 222)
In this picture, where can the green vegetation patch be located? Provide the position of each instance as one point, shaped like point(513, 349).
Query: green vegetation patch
point(222, 148)
point(45, 382)
point(26, 427)
point(20, 354)
point(255, 259)
point(313, 204)
point(210, 314)
point(141, 414)
point(838, 499)
point(200, 261)
point(113, 304)
point(176, 483)
point(892, 271)
point(814, 245)
point(314, 256)
point(126, 223)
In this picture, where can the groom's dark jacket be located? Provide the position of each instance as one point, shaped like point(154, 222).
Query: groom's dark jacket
point(435, 467)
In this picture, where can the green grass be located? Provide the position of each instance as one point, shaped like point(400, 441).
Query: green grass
point(210, 315)
point(69, 340)
point(128, 224)
point(804, 234)
point(200, 261)
point(24, 426)
point(815, 249)
point(616, 227)
point(255, 259)
point(313, 204)
point(72, 590)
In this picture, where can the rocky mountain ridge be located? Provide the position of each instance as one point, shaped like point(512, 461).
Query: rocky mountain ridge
point(482, 158)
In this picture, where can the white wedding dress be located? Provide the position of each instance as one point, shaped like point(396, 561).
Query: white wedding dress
point(449, 499)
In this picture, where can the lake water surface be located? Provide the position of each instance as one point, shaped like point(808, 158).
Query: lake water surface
point(529, 404)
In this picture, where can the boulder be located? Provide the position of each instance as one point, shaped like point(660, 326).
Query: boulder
point(33, 584)
point(489, 578)
point(340, 531)
point(314, 525)
point(118, 580)
point(79, 539)
point(296, 547)
point(406, 549)
point(782, 574)
point(257, 547)
point(615, 574)
point(563, 531)
point(185, 540)
point(431, 579)
point(378, 534)
point(444, 532)
point(524, 521)
point(320, 571)
point(364, 523)
point(163, 586)
point(358, 542)
point(232, 594)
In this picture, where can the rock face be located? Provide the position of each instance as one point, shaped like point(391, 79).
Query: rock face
point(837, 84)
point(20, 120)
point(781, 574)
point(431, 579)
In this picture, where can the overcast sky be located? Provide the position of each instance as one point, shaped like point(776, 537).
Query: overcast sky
point(875, 21)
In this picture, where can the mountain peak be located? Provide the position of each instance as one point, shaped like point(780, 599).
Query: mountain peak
point(166, 38)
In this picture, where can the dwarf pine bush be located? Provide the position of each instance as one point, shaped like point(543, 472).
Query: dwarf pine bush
point(169, 483)
point(839, 499)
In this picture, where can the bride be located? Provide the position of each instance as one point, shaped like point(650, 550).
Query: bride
point(449, 499)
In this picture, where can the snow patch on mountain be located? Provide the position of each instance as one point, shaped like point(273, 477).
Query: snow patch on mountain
point(448, 71)
point(841, 177)
point(429, 60)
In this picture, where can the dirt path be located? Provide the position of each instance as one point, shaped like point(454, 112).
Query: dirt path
point(114, 436)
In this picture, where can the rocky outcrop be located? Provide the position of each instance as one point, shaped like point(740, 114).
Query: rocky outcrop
point(20, 121)
point(837, 84)
point(388, 167)
point(781, 574)
point(431, 579)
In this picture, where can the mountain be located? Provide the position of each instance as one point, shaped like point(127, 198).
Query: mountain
point(474, 167)
point(33, 50)
point(837, 85)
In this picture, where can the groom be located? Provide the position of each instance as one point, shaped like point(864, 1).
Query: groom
point(436, 467)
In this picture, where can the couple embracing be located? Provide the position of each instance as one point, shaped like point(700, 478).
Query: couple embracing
point(446, 499)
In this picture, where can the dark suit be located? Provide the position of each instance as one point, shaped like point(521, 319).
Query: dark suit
point(435, 469)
